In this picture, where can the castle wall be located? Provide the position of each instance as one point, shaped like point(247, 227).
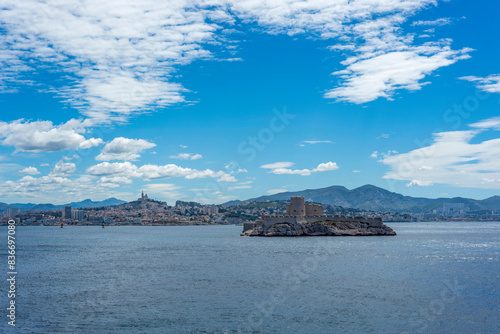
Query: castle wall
point(314, 209)
point(271, 220)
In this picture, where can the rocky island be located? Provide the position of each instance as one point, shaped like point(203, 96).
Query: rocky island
point(308, 220)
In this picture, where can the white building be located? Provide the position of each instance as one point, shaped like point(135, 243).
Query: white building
point(77, 214)
point(211, 209)
point(12, 212)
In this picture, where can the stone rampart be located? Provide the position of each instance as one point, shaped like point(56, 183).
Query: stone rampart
point(271, 220)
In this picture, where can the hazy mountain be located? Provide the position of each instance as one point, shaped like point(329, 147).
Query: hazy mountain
point(370, 197)
point(75, 205)
point(91, 204)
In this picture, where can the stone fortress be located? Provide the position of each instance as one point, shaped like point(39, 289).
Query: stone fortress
point(308, 219)
point(298, 207)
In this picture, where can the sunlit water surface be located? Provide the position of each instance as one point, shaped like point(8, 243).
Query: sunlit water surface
point(430, 278)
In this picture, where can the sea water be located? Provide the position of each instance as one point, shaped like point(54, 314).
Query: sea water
point(430, 278)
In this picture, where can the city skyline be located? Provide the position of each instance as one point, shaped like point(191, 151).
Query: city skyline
point(234, 100)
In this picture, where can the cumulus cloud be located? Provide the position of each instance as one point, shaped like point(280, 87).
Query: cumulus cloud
point(419, 183)
point(30, 170)
point(121, 148)
point(456, 158)
point(63, 168)
point(283, 168)
point(56, 188)
point(325, 167)
point(43, 136)
point(129, 170)
point(90, 143)
point(490, 84)
point(187, 156)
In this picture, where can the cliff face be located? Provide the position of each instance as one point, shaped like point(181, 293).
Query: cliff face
point(326, 228)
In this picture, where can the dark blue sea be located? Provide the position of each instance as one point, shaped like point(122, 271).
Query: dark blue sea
point(430, 278)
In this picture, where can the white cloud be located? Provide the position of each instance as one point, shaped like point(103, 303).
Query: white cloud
point(282, 171)
point(121, 148)
point(490, 84)
point(420, 183)
point(438, 22)
point(381, 75)
point(63, 169)
point(90, 143)
point(43, 136)
point(187, 156)
point(57, 189)
point(377, 154)
point(128, 48)
point(278, 165)
point(281, 168)
point(115, 180)
point(490, 123)
point(239, 187)
point(183, 146)
point(129, 170)
point(342, 47)
point(121, 56)
point(30, 171)
point(163, 191)
point(325, 167)
point(456, 158)
point(356, 171)
point(313, 142)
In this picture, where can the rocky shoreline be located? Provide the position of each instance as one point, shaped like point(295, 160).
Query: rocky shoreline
point(322, 228)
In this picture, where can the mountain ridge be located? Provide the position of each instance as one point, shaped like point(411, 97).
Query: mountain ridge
point(370, 197)
point(87, 203)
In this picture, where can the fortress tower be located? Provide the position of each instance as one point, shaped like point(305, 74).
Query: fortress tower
point(297, 207)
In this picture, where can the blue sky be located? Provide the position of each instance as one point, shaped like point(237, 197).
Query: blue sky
point(221, 100)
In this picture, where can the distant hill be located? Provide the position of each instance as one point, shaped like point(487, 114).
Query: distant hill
point(189, 204)
point(370, 197)
point(75, 205)
point(91, 204)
